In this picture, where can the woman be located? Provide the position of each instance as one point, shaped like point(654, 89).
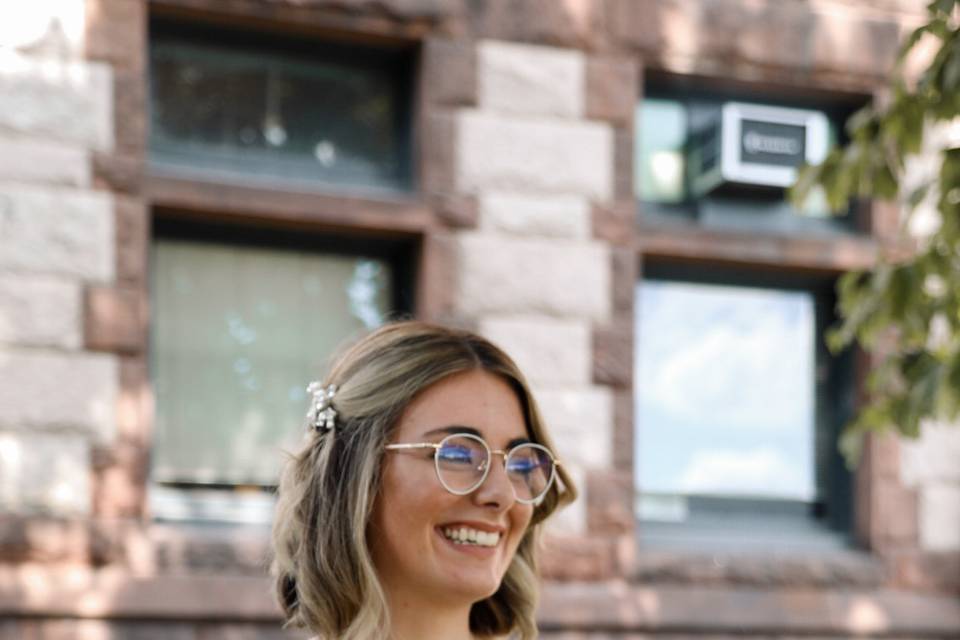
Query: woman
point(414, 508)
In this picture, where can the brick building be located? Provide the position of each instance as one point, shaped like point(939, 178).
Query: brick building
point(184, 178)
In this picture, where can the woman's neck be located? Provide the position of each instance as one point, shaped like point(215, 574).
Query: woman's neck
point(414, 620)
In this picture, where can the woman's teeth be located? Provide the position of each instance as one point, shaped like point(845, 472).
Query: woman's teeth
point(464, 535)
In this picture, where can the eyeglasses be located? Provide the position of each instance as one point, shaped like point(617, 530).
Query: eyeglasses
point(462, 461)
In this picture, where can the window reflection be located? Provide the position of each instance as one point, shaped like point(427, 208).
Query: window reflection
point(366, 292)
point(238, 332)
point(661, 136)
point(323, 115)
point(725, 394)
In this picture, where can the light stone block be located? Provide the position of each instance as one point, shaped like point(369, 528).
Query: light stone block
point(934, 457)
point(44, 472)
point(530, 79)
point(58, 390)
point(543, 156)
point(70, 102)
point(501, 275)
point(40, 311)
point(545, 216)
point(581, 424)
point(571, 520)
point(550, 351)
point(25, 160)
point(45, 27)
point(57, 231)
point(940, 517)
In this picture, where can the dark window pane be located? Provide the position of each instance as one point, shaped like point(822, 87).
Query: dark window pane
point(330, 117)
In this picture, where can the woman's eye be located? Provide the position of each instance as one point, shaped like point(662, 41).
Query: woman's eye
point(455, 455)
point(523, 467)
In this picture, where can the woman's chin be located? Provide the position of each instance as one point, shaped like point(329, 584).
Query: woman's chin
point(472, 569)
point(467, 587)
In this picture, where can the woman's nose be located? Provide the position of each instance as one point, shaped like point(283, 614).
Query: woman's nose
point(496, 490)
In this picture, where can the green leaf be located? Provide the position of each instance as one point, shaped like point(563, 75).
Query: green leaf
point(944, 7)
point(851, 445)
point(948, 400)
point(951, 72)
point(885, 183)
point(808, 176)
point(861, 121)
point(901, 290)
point(913, 128)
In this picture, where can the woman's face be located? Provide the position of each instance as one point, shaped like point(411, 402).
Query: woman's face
point(413, 514)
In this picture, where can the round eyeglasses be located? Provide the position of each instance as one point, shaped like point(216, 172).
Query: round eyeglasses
point(462, 462)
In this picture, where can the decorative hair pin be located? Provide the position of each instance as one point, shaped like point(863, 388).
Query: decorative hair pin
point(322, 415)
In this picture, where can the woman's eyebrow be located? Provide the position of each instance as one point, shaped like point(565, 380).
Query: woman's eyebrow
point(459, 428)
point(454, 428)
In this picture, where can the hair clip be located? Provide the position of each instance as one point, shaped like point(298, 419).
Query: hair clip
point(322, 415)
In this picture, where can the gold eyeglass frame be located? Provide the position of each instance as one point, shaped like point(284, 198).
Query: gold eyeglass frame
point(436, 446)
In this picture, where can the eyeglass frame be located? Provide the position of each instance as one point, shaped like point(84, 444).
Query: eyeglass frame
point(436, 446)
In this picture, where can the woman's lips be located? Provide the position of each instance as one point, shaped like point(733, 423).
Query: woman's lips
point(467, 547)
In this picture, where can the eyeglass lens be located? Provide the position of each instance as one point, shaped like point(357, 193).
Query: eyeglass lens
point(462, 461)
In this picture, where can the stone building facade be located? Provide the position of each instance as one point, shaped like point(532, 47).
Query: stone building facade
point(524, 224)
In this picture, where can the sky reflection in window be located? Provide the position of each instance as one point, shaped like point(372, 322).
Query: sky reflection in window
point(725, 391)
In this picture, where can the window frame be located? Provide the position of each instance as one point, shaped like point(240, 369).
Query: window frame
point(687, 212)
point(271, 38)
point(674, 241)
point(834, 400)
point(253, 504)
point(399, 219)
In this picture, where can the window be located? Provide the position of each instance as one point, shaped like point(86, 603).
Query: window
point(247, 310)
point(242, 320)
point(231, 106)
point(738, 405)
point(682, 139)
point(738, 402)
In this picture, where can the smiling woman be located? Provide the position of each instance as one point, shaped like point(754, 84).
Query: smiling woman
point(414, 506)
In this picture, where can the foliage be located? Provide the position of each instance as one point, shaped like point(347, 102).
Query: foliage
point(906, 309)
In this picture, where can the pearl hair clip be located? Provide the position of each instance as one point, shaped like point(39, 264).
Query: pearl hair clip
point(322, 416)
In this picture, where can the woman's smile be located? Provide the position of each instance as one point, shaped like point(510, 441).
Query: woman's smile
point(468, 534)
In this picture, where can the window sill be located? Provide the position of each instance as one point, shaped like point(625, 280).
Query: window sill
point(191, 573)
point(846, 568)
point(83, 593)
point(210, 506)
point(210, 531)
point(771, 534)
point(397, 212)
point(211, 549)
point(828, 254)
point(768, 549)
point(747, 611)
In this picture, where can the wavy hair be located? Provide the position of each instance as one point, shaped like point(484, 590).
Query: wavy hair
point(325, 578)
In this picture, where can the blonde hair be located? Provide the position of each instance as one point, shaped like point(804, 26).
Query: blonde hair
point(325, 578)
